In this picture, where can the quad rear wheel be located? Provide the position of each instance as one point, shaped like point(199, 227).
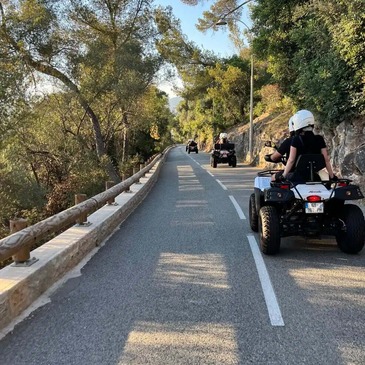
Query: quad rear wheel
point(234, 161)
point(253, 215)
point(269, 229)
point(351, 238)
point(213, 162)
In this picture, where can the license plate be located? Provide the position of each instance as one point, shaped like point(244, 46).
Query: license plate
point(313, 208)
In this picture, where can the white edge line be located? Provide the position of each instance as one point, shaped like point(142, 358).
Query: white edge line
point(238, 208)
point(210, 173)
point(272, 304)
point(220, 183)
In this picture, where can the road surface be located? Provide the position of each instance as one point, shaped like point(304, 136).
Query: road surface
point(182, 282)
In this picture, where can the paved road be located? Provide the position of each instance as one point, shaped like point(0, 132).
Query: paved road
point(182, 282)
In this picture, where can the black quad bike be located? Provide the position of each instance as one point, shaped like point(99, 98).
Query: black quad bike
point(192, 147)
point(223, 153)
point(310, 209)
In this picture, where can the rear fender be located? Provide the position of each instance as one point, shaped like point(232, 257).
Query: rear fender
point(277, 195)
point(350, 192)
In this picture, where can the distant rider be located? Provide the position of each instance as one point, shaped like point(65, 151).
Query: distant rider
point(223, 138)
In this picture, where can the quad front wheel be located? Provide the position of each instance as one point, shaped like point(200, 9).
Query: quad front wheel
point(254, 218)
point(269, 228)
point(351, 238)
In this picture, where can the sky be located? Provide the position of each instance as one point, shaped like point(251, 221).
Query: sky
point(217, 42)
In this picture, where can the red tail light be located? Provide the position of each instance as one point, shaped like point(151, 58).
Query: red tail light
point(284, 186)
point(342, 184)
point(314, 198)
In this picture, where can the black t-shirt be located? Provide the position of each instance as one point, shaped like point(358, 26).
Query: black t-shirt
point(284, 148)
point(308, 143)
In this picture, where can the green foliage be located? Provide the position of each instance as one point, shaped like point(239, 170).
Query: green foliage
point(316, 53)
point(99, 51)
point(230, 90)
point(19, 190)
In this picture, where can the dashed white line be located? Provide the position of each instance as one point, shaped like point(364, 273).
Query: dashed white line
point(238, 208)
point(220, 183)
point(210, 173)
point(272, 304)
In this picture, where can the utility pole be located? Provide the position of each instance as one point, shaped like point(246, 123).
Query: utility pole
point(223, 21)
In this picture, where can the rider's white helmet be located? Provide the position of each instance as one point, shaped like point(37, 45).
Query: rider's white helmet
point(223, 135)
point(291, 124)
point(302, 119)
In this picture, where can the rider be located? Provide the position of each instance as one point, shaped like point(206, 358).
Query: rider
point(305, 142)
point(284, 149)
point(223, 138)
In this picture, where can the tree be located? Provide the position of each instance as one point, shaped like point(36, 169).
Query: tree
point(66, 41)
point(315, 51)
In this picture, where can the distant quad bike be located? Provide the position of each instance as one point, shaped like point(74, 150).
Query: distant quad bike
point(223, 153)
point(310, 209)
point(192, 147)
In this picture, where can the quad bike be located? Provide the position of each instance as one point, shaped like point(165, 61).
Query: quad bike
point(223, 153)
point(192, 148)
point(310, 209)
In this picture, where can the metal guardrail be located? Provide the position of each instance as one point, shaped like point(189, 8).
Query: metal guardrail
point(28, 236)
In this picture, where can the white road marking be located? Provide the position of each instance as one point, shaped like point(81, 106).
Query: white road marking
point(194, 160)
point(220, 183)
point(238, 208)
point(210, 173)
point(270, 298)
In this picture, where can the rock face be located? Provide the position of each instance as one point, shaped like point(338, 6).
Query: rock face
point(346, 144)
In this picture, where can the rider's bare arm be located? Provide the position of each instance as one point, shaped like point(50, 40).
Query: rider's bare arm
point(328, 162)
point(291, 160)
point(276, 156)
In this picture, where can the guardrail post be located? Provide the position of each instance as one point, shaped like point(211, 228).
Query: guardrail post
point(142, 166)
point(125, 177)
point(135, 171)
point(108, 185)
point(22, 257)
point(82, 220)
